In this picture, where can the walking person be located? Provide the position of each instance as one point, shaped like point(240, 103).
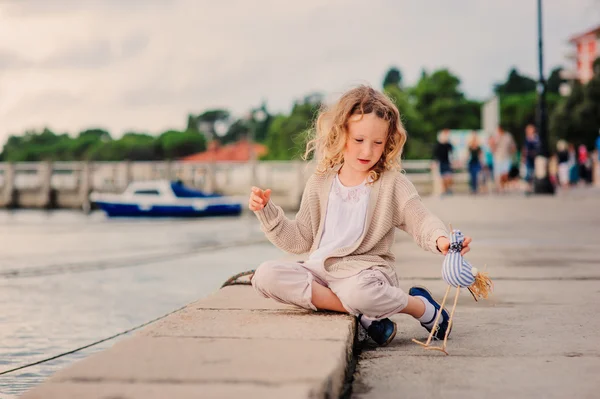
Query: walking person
point(504, 151)
point(573, 165)
point(585, 165)
point(442, 155)
point(488, 171)
point(531, 149)
point(562, 157)
point(474, 164)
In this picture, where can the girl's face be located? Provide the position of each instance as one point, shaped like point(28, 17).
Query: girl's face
point(366, 140)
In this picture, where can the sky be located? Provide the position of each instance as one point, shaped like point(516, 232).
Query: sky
point(144, 65)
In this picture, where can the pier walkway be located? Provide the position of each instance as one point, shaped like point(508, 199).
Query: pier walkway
point(535, 337)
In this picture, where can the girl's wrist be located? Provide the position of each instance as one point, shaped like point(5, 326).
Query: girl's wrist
point(437, 243)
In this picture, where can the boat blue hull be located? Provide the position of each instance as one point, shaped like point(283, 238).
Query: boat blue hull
point(133, 210)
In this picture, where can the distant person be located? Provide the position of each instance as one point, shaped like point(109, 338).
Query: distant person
point(514, 174)
point(596, 165)
point(474, 163)
point(349, 212)
point(562, 157)
point(488, 170)
point(531, 149)
point(441, 154)
point(598, 146)
point(573, 165)
point(585, 164)
point(504, 150)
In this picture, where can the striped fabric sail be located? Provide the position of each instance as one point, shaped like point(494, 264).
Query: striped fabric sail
point(456, 271)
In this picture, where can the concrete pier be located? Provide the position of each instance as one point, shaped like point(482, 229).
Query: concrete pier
point(534, 337)
point(231, 344)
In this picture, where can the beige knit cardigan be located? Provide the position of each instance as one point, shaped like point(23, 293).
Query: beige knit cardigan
point(393, 202)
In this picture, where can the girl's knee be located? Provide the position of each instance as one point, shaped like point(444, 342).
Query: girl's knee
point(265, 275)
point(371, 294)
point(362, 290)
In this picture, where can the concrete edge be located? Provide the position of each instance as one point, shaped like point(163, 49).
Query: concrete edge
point(335, 382)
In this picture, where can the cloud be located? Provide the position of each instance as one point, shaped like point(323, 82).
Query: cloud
point(52, 8)
point(96, 54)
point(92, 54)
point(145, 64)
point(11, 60)
point(49, 101)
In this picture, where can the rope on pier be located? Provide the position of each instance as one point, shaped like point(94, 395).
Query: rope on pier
point(89, 345)
point(234, 280)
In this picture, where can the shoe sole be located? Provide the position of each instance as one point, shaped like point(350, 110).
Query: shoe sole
point(391, 338)
point(443, 308)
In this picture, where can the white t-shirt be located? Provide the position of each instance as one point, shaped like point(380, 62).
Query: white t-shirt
point(345, 218)
point(504, 146)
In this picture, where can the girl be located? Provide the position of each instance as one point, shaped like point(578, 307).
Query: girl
point(348, 214)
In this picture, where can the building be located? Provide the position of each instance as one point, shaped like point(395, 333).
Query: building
point(240, 151)
point(587, 50)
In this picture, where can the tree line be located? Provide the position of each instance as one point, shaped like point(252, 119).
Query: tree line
point(435, 102)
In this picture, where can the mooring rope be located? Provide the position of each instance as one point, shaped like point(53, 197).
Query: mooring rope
point(233, 280)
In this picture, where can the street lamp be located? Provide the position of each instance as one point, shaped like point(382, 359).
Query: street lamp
point(541, 180)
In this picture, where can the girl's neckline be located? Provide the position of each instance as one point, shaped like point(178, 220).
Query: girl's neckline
point(337, 178)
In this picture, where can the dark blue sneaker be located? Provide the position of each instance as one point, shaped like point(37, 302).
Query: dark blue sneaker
point(381, 331)
point(444, 320)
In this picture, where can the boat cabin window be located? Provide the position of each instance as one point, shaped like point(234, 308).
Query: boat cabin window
point(146, 192)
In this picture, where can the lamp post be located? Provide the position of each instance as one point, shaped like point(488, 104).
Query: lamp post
point(541, 180)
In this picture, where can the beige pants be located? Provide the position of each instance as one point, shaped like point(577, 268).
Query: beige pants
point(369, 292)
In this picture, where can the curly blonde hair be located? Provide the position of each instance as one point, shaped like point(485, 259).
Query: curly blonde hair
point(330, 131)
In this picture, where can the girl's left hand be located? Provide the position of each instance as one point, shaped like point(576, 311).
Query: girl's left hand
point(444, 244)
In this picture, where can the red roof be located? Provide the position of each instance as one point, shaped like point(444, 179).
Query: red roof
point(239, 151)
point(576, 38)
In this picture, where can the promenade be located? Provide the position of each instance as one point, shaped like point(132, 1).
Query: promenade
point(535, 337)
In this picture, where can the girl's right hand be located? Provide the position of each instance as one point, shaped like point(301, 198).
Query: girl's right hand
point(258, 198)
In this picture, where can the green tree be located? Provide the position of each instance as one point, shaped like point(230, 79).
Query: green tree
point(98, 134)
point(135, 146)
point(518, 110)
point(131, 146)
point(438, 98)
point(192, 123)
point(554, 81)
point(240, 129)
point(286, 137)
point(577, 118)
point(209, 121)
point(86, 140)
point(416, 127)
point(255, 125)
point(174, 144)
point(261, 120)
point(34, 146)
point(393, 77)
point(516, 84)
